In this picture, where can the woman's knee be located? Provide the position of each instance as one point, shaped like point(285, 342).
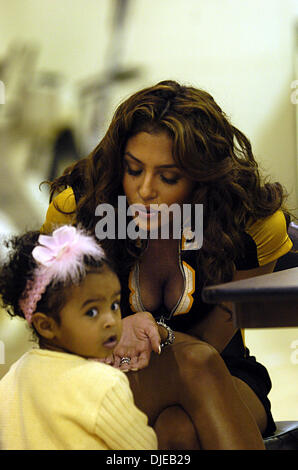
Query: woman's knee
point(175, 430)
point(202, 374)
point(199, 359)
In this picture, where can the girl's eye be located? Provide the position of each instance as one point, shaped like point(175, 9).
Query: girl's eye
point(115, 306)
point(92, 313)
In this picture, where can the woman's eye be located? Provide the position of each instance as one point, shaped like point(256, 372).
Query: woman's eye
point(93, 312)
point(165, 179)
point(115, 306)
point(132, 172)
point(169, 180)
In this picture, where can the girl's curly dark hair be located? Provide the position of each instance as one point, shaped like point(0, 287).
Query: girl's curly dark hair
point(19, 268)
point(207, 148)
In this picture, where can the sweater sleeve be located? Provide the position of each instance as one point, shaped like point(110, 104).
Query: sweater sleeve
point(121, 424)
point(64, 202)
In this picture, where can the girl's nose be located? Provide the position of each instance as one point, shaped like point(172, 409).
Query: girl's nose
point(109, 320)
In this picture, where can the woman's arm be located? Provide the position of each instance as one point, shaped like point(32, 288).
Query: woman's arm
point(140, 336)
point(218, 329)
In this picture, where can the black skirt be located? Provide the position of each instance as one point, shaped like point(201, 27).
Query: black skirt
point(245, 367)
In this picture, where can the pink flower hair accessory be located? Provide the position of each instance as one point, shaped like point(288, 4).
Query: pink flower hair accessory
point(59, 257)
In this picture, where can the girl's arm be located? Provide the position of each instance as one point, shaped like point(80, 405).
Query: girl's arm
point(120, 424)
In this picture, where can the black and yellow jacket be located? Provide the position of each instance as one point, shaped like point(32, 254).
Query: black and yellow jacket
point(264, 241)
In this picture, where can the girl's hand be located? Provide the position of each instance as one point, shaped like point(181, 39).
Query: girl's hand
point(139, 337)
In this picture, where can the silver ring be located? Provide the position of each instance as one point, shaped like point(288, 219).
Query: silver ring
point(124, 360)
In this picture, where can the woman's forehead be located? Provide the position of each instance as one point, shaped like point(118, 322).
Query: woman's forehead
point(144, 146)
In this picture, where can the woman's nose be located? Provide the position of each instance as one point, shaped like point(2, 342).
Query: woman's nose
point(147, 190)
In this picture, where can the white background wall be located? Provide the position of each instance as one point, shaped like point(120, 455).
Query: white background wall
point(240, 51)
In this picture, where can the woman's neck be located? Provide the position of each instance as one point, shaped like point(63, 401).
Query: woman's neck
point(160, 246)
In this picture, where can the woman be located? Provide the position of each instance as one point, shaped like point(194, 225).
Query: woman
point(173, 144)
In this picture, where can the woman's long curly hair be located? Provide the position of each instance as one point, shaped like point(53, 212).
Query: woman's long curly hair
point(207, 148)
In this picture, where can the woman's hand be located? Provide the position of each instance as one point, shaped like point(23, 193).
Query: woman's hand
point(139, 337)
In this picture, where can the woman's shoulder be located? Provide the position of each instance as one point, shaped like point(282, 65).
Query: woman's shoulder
point(274, 224)
point(60, 211)
point(270, 236)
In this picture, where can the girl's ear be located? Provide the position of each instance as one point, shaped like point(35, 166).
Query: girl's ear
point(45, 325)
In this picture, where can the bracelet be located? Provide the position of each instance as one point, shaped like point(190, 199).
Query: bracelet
point(171, 337)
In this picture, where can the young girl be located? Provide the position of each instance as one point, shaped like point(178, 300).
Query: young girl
point(60, 396)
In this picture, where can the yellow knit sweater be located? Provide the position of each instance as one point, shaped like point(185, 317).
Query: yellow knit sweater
point(60, 401)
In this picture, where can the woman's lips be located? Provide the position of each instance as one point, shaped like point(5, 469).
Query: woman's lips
point(145, 211)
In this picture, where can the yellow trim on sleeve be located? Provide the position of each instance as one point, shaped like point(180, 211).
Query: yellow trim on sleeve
point(65, 201)
point(271, 237)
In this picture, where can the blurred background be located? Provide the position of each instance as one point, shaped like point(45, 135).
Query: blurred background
point(66, 64)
